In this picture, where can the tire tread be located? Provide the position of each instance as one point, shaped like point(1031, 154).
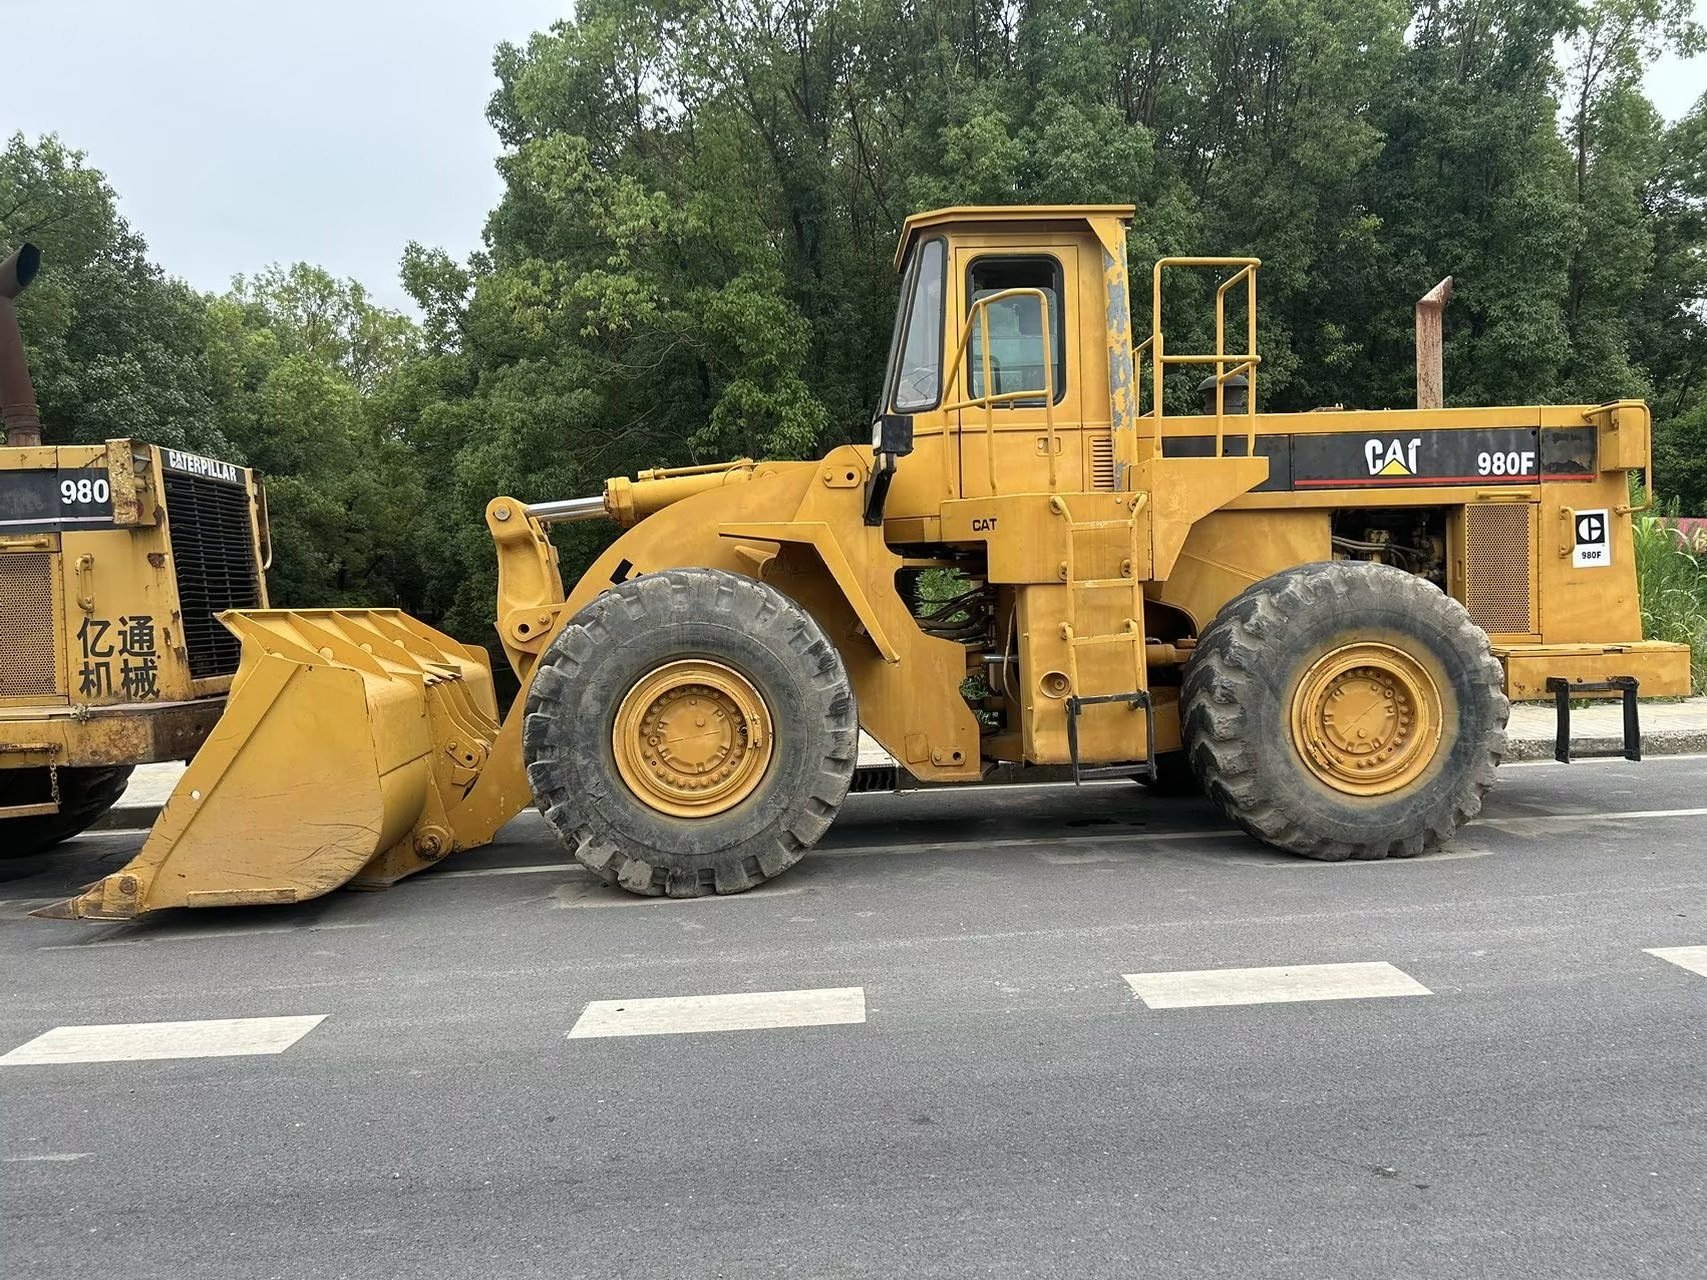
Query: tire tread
point(1237, 652)
point(699, 594)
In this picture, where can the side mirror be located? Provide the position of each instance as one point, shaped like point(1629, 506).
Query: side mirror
point(892, 433)
point(891, 438)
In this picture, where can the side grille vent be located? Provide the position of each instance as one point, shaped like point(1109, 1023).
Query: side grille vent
point(1102, 462)
point(27, 623)
point(1498, 556)
point(214, 561)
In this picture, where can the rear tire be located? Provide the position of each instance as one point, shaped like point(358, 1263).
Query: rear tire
point(615, 762)
point(1345, 710)
point(84, 795)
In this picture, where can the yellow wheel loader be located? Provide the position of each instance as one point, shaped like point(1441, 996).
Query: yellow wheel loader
point(1320, 617)
point(114, 559)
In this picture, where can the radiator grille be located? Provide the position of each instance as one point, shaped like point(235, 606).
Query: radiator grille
point(26, 624)
point(1498, 556)
point(1102, 462)
point(213, 557)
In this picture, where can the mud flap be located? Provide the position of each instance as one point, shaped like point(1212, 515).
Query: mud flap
point(348, 737)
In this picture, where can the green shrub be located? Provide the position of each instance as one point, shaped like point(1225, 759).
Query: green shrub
point(1673, 586)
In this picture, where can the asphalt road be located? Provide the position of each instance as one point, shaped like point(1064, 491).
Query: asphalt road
point(1536, 1106)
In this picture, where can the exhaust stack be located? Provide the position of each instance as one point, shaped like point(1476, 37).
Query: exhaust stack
point(1431, 379)
point(17, 392)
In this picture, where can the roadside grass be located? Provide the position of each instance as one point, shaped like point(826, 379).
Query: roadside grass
point(1673, 585)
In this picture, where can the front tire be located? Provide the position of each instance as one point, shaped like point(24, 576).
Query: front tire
point(690, 732)
point(1345, 710)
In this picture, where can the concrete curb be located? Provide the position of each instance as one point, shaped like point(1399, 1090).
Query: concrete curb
point(1659, 742)
point(126, 817)
point(881, 778)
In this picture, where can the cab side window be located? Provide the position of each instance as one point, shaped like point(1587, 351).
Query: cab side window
point(918, 379)
point(1017, 355)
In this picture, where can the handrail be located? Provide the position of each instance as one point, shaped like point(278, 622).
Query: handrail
point(1630, 508)
point(1647, 477)
point(1138, 353)
point(1228, 364)
point(989, 400)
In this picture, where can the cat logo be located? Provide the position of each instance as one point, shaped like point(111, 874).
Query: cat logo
point(1392, 457)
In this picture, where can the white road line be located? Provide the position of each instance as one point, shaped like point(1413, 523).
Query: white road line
point(1196, 987)
point(204, 935)
point(1556, 764)
point(52, 1157)
point(138, 1041)
point(475, 872)
point(1616, 815)
point(1692, 958)
point(744, 1011)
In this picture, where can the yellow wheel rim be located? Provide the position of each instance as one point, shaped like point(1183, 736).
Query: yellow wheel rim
point(1366, 719)
point(692, 738)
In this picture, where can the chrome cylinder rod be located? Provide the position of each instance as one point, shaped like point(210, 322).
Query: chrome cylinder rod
point(568, 510)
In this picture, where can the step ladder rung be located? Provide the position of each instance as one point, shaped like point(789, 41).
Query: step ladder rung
point(1118, 536)
point(1111, 637)
point(1563, 690)
point(1138, 700)
point(44, 810)
point(1137, 769)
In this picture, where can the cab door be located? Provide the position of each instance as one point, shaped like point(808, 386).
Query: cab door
point(1005, 448)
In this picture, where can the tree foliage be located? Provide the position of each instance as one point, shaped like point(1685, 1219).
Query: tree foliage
point(691, 257)
point(287, 372)
point(115, 345)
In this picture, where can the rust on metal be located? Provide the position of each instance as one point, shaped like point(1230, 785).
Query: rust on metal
point(17, 392)
point(1431, 376)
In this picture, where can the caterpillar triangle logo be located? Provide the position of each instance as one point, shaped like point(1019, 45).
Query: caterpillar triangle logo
point(1391, 457)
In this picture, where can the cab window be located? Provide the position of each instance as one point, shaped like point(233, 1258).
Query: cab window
point(1016, 328)
point(918, 375)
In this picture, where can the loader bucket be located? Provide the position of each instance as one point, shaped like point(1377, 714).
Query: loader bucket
point(348, 736)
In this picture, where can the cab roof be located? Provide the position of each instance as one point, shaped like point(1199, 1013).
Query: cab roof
point(960, 213)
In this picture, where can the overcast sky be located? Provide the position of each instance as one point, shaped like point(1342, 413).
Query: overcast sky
point(243, 132)
point(239, 133)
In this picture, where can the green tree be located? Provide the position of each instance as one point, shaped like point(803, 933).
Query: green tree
point(300, 368)
point(115, 346)
point(1669, 318)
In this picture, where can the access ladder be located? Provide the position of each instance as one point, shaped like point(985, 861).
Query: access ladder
point(1120, 534)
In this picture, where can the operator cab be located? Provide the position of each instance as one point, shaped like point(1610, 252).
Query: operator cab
point(998, 368)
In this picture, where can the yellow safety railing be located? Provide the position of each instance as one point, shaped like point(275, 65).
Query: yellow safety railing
point(1228, 364)
point(989, 400)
